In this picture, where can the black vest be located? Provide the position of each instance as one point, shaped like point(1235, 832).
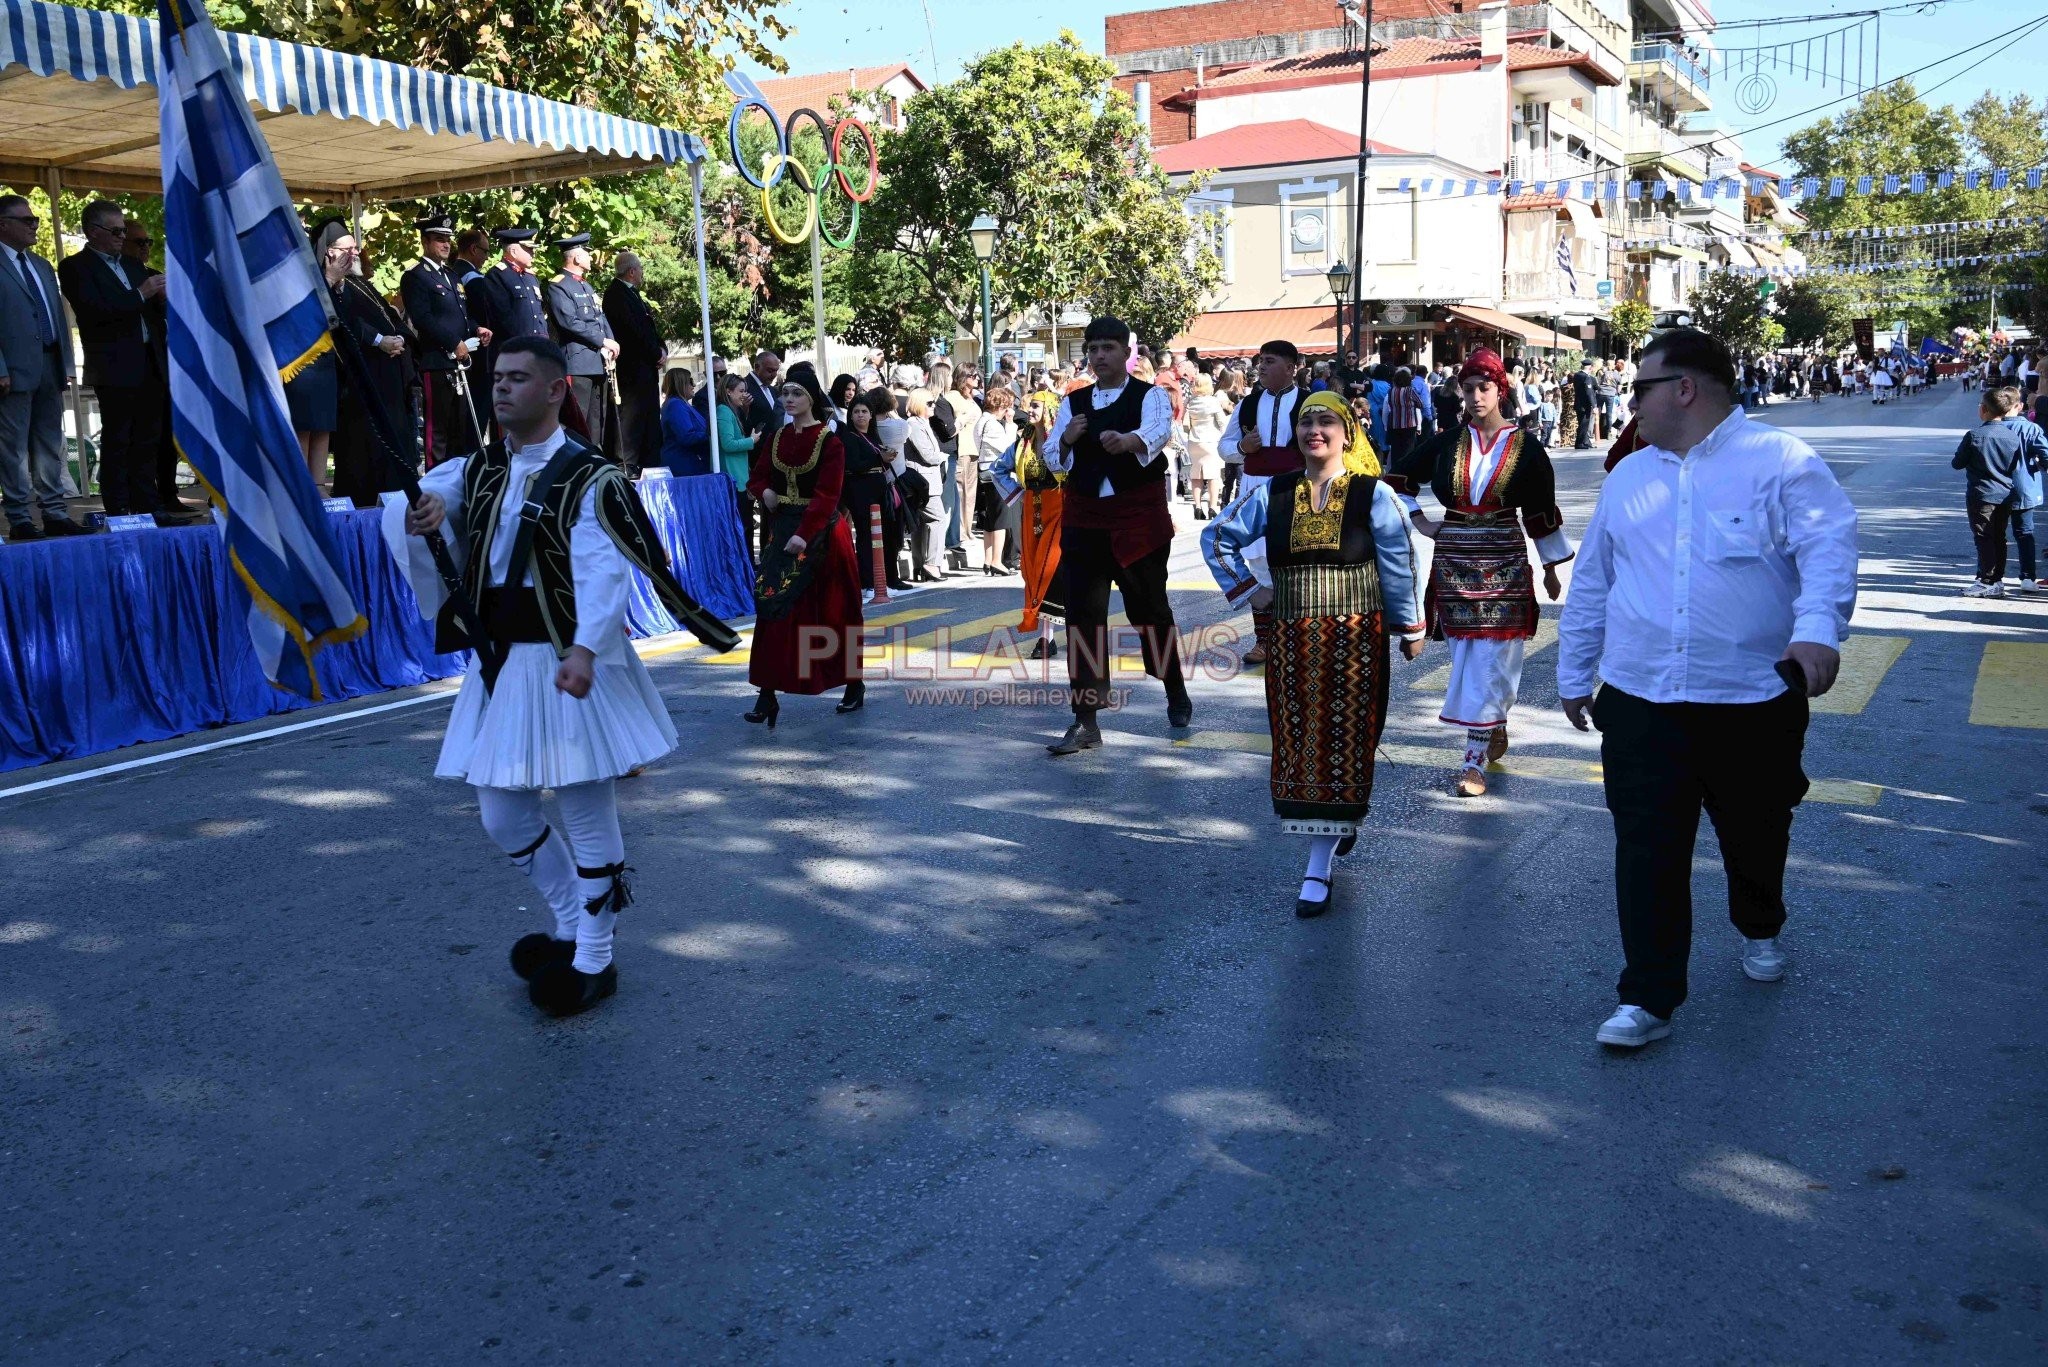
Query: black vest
point(1355, 541)
point(1092, 464)
point(1255, 414)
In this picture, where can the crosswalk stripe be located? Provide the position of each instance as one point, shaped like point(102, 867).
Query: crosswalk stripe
point(1865, 662)
point(2012, 686)
point(1847, 792)
point(1439, 679)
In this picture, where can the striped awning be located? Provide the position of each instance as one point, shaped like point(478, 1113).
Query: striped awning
point(78, 94)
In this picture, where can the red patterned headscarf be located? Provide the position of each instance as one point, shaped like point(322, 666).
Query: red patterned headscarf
point(1484, 364)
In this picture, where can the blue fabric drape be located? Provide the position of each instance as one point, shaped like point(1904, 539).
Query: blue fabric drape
point(108, 641)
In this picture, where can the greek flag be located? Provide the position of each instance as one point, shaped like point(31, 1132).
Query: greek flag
point(1564, 263)
point(247, 311)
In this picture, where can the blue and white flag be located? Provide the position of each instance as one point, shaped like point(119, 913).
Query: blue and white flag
point(1564, 263)
point(247, 311)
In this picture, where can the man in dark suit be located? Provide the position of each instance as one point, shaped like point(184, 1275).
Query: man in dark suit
point(1583, 397)
point(765, 415)
point(119, 308)
point(35, 370)
point(440, 321)
point(136, 242)
point(640, 359)
point(585, 338)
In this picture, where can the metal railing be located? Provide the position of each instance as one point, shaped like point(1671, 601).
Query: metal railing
point(1673, 56)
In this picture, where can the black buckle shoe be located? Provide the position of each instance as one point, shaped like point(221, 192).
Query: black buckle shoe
point(1306, 909)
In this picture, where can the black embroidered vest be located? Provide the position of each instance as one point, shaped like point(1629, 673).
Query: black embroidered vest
point(1335, 536)
point(1092, 464)
point(1255, 414)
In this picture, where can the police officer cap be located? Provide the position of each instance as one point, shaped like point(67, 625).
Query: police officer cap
point(562, 244)
point(443, 224)
point(513, 234)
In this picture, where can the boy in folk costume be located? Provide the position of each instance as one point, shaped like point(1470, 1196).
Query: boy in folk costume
point(1261, 431)
point(1482, 599)
point(546, 530)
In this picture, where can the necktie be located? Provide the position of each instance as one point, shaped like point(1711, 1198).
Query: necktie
point(44, 326)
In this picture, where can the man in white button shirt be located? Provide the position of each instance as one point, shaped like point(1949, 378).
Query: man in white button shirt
point(1718, 550)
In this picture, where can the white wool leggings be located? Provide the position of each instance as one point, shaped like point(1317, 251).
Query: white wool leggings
point(578, 868)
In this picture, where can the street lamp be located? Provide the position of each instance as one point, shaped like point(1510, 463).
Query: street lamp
point(1339, 277)
point(982, 233)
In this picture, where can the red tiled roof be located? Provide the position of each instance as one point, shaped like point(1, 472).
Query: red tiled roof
point(817, 92)
point(1543, 201)
point(1284, 143)
point(1403, 56)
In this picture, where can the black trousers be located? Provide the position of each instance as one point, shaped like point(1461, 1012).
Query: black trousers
point(1987, 527)
point(594, 397)
point(447, 428)
point(639, 423)
point(166, 457)
point(1090, 568)
point(131, 435)
point(1584, 441)
point(1664, 762)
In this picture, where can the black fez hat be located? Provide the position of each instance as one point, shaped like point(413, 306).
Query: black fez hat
point(563, 244)
point(436, 223)
point(512, 234)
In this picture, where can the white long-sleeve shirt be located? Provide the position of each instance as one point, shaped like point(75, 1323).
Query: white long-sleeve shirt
point(1275, 414)
point(603, 577)
point(1155, 425)
point(1696, 572)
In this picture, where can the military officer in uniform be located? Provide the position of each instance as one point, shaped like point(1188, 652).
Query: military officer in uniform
point(508, 299)
point(585, 336)
point(440, 320)
point(472, 253)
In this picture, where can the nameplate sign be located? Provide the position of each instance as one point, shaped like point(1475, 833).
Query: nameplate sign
point(130, 522)
point(338, 505)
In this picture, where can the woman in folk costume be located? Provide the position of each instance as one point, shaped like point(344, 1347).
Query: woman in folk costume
point(1482, 598)
point(548, 532)
point(1343, 583)
point(1021, 474)
point(807, 592)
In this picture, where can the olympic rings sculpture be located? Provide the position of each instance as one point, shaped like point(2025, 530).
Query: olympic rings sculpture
point(812, 180)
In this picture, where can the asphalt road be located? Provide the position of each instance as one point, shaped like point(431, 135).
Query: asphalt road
point(930, 1049)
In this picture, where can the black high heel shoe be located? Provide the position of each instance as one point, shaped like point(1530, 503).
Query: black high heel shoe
point(855, 698)
point(992, 571)
point(767, 708)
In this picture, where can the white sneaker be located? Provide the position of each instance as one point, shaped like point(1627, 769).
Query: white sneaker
point(2031, 586)
point(1762, 960)
point(1631, 1027)
point(1979, 589)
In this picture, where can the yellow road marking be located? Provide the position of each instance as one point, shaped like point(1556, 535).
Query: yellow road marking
point(1439, 679)
point(1833, 790)
point(1865, 662)
point(1208, 585)
point(2012, 686)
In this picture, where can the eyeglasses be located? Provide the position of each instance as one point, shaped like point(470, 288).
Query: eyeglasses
point(1639, 386)
point(20, 218)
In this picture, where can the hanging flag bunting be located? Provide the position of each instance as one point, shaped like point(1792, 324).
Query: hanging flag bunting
point(1734, 187)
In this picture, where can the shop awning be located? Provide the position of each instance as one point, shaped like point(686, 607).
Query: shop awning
point(1240, 332)
point(78, 98)
point(1493, 320)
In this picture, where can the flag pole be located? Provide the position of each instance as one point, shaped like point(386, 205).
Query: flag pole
point(489, 659)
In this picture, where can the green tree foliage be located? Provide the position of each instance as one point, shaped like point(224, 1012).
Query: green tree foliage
point(1036, 137)
point(1730, 307)
point(1814, 312)
point(1630, 322)
point(1893, 130)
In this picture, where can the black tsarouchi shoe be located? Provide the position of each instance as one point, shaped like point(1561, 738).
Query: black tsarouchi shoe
point(565, 992)
point(532, 954)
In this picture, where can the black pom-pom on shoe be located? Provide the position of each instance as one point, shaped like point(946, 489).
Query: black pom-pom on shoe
point(532, 954)
point(565, 992)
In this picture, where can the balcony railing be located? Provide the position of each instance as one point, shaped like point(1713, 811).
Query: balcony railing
point(1529, 166)
point(1655, 228)
point(1673, 56)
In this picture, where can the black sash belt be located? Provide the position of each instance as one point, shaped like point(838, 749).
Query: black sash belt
point(512, 616)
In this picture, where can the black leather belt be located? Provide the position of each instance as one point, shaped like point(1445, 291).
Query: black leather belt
point(512, 616)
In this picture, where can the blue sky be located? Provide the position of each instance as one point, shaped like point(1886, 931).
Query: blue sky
point(834, 33)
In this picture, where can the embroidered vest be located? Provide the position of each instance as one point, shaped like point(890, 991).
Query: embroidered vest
point(1341, 534)
point(1255, 414)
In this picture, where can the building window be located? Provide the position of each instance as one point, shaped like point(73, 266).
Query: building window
point(1391, 228)
point(1213, 211)
point(1308, 226)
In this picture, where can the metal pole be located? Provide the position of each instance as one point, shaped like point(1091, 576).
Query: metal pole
point(53, 185)
point(818, 299)
point(1359, 192)
point(987, 331)
point(704, 307)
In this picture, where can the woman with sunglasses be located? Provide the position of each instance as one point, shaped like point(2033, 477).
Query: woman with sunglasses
point(1489, 475)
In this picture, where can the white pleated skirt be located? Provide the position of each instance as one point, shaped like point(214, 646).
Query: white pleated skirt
point(526, 733)
point(1486, 677)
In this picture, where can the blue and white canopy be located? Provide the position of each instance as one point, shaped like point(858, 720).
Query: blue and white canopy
point(78, 93)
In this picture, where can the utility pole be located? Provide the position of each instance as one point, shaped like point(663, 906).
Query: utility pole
point(1350, 9)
